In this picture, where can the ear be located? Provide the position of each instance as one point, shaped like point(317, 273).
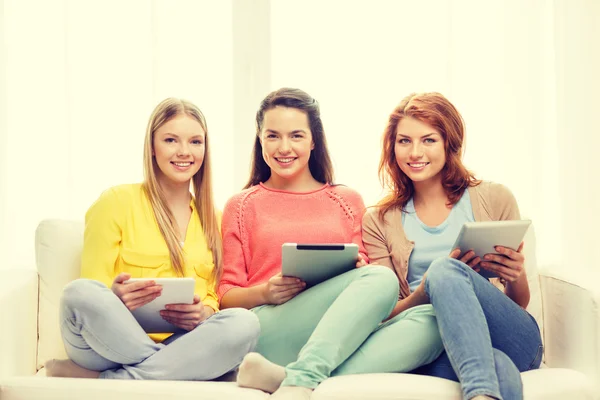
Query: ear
point(312, 145)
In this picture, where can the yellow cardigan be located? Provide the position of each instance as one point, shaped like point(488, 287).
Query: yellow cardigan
point(121, 235)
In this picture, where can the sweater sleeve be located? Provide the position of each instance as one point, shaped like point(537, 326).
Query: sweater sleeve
point(357, 207)
point(505, 205)
point(374, 239)
point(235, 272)
point(102, 237)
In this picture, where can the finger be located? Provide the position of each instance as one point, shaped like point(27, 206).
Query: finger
point(137, 294)
point(289, 292)
point(137, 303)
point(473, 263)
point(501, 270)
point(510, 253)
point(183, 325)
point(285, 281)
point(122, 277)
point(139, 285)
point(503, 260)
point(277, 289)
point(455, 253)
point(179, 316)
point(184, 307)
point(468, 256)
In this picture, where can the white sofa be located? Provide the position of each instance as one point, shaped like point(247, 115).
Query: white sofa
point(30, 336)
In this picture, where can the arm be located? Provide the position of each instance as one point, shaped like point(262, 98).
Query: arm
point(376, 246)
point(358, 210)
point(101, 239)
point(233, 288)
point(517, 289)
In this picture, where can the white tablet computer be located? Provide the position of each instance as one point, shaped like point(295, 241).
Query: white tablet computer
point(174, 291)
point(483, 237)
point(315, 263)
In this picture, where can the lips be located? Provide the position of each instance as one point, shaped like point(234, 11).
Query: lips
point(418, 165)
point(285, 160)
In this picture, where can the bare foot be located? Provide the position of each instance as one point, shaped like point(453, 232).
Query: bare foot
point(68, 369)
point(257, 372)
point(292, 393)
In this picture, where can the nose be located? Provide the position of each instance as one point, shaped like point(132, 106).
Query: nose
point(285, 146)
point(416, 152)
point(183, 149)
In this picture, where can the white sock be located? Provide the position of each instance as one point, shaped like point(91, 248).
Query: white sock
point(292, 393)
point(257, 372)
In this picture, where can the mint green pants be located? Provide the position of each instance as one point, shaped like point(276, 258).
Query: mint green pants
point(335, 328)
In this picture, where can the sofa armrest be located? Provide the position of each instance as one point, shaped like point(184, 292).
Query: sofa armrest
point(571, 322)
point(18, 321)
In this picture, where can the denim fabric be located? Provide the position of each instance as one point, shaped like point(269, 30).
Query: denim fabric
point(488, 338)
point(101, 334)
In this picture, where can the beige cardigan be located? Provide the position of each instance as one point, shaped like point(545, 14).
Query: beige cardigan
point(387, 244)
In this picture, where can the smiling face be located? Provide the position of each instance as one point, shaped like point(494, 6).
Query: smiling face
point(286, 141)
point(178, 148)
point(419, 150)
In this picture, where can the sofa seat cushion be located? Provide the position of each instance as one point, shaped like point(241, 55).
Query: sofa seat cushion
point(41, 388)
point(543, 384)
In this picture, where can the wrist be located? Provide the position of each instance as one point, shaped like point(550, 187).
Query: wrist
point(263, 293)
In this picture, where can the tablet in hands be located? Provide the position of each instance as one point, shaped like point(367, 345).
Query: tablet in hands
point(483, 237)
point(315, 263)
point(175, 291)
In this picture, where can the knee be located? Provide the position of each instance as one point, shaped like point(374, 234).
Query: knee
point(244, 327)
point(79, 293)
point(444, 268)
point(385, 281)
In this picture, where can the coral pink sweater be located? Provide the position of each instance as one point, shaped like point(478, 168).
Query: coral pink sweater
point(258, 220)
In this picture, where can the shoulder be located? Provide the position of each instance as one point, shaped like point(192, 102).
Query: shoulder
point(347, 193)
point(373, 217)
point(119, 195)
point(238, 200)
point(497, 199)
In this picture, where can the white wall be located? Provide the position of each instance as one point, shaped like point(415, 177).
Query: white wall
point(83, 76)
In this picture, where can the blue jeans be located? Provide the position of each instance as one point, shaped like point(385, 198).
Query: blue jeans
point(101, 334)
point(488, 338)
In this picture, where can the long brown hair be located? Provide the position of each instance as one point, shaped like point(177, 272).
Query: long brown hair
point(319, 162)
point(436, 111)
point(201, 183)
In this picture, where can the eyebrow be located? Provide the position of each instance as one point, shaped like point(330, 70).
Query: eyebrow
point(294, 131)
point(177, 136)
point(422, 137)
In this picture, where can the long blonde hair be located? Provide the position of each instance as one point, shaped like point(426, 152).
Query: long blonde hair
point(201, 183)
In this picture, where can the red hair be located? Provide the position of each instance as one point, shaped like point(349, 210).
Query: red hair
point(436, 111)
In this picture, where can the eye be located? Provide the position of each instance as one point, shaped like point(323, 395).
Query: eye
point(197, 142)
point(429, 140)
point(403, 141)
point(271, 136)
point(170, 140)
point(297, 136)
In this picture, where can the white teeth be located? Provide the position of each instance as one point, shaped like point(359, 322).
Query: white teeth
point(285, 160)
point(419, 165)
point(187, 164)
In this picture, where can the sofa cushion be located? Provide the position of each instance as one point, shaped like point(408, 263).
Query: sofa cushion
point(58, 245)
point(543, 384)
point(40, 388)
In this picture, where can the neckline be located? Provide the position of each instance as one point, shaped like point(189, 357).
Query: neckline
point(325, 186)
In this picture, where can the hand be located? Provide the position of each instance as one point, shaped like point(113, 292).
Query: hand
point(507, 265)
point(186, 316)
point(468, 258)
point(280, 289)
point(420, 292)
point(135, 294)
point(360, 262)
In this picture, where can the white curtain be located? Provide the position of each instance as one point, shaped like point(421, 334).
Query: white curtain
point(82, 77)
